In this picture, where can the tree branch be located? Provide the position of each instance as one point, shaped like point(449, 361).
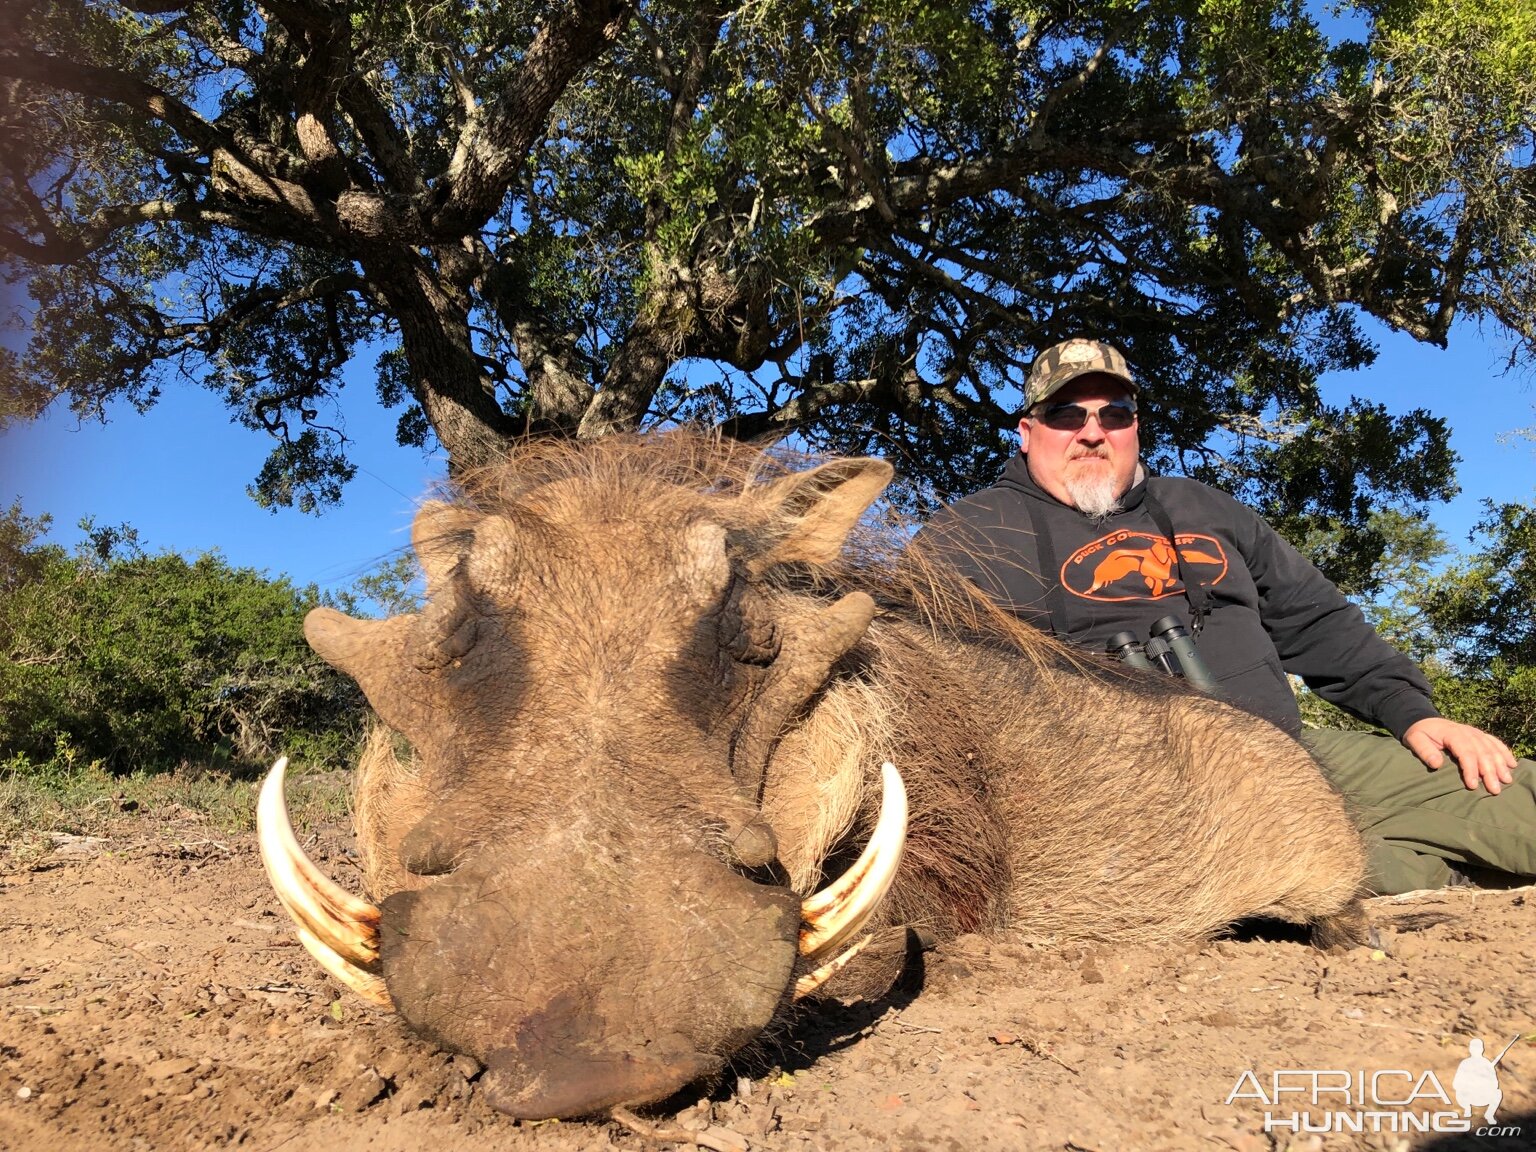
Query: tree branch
point(61, 248)
point(494, 146)
point(390, 147)
point(88, 80)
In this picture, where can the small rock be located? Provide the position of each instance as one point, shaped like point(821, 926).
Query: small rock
point(762, 1121)
point(67, 844)
point(23, 1093)
point(164, 1069)
point(800, 1122)
point(323, 1101)
point(412, 1097)
point(391, 1064)
point(697, 1115)
point(722, 1140)
point(362, 1092)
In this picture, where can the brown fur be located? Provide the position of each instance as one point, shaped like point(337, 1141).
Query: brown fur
point(638, 648)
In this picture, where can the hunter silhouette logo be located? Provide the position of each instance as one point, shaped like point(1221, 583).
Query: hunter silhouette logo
point(1476, 1083)
point(1140, 565)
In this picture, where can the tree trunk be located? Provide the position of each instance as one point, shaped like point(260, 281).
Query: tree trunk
point(447, 379)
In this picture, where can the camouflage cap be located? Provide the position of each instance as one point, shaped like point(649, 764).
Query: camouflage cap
point(1062, 363)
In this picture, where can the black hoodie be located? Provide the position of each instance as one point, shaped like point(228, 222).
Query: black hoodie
point(1270, 611)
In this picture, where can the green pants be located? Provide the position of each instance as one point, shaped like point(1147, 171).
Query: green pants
point(1417, 821)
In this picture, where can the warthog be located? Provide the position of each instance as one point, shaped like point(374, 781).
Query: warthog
point(647, 708)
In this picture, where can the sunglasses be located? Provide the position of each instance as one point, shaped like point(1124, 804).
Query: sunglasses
point(1112, 417)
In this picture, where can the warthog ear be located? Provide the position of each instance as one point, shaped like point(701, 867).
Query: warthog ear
point(363, 649)
point(341, 641)
point(821, 507)
point(441, 533)
point(369, 651)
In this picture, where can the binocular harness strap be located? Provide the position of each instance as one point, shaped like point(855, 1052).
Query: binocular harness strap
point(1194, 591)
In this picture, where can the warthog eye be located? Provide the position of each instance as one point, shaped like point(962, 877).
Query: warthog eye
point(747, 633)
point(755, 642)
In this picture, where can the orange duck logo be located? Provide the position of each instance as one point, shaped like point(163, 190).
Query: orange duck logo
point(1141, 566)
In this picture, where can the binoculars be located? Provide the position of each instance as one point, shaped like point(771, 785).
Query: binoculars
point(1170, 649)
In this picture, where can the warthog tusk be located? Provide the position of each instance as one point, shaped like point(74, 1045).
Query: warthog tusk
point(814, 980)
point(338, 929)
point(836, 913)
point(365, 984)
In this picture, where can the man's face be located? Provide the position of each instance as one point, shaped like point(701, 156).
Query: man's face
point(1091, 468)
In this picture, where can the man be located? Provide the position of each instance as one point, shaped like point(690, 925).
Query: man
point(1076, 538)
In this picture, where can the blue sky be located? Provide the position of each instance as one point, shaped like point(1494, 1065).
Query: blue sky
point(179, 473)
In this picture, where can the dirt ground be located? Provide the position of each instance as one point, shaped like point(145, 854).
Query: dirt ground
point(151, 998)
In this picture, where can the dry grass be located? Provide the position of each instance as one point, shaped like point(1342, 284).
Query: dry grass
point(62, 799)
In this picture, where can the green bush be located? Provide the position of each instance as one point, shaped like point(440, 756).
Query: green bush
point(144, 661)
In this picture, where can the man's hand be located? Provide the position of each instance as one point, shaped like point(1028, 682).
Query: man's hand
point(1481, 757)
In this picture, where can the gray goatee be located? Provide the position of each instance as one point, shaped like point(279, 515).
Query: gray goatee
point(1096, 496)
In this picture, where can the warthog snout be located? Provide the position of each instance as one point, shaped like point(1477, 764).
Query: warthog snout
point(657, 965)
point(655, 970)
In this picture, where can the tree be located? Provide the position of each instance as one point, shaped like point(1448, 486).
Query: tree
point(1389, 588)
point(393, 586)
point(1464, 618)
point(1478, 613)
point(847, 222)
point(22, 558)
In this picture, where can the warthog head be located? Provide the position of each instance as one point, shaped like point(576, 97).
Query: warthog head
point(574, 881)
